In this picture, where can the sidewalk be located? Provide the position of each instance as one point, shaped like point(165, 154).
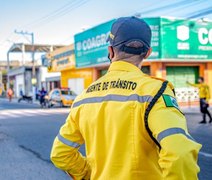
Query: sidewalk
point(15, 100)
point(192, 109)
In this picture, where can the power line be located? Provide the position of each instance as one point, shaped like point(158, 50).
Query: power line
point(7, 38)
point(82, 2)
point(144, 7)
point(176, 9)
point(203, 12)
point(60, 12)
point(51, 13)
point(74, 4)
point(71, 5)
point(38, 20)
point(165, 7)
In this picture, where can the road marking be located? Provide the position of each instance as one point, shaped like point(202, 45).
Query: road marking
point(206, 154)
point(30, 112)
point(8, 115)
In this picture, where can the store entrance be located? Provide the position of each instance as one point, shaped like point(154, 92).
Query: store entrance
point(178, 77)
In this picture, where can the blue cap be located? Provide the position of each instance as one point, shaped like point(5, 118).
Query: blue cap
point(128, 29)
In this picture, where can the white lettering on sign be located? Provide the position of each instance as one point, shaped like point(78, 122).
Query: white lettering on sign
point(183, 46)
point(205, 36)
point(205, 48)
point(94, 42)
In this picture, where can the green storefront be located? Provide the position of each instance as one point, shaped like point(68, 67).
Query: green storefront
point(182, 50)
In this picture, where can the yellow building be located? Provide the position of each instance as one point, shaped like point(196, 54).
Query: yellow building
point(63, 60)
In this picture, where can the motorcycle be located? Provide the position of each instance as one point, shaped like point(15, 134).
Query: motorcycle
point(44, 101)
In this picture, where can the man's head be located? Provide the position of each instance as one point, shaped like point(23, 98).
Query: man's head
point(129, 39)
point(200, 80)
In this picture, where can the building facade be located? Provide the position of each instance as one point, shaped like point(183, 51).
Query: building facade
point(63, 60)
point(182, 51)
point(21, 79)
point(3, 74)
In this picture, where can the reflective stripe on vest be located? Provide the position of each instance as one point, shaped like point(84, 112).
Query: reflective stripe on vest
point(114, 97)
point(68, 142)
point(172, 131)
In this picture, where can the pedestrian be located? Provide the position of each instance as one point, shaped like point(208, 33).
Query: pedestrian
point(10, 94)
point(36, 93)
point(21, 93)
point(42, 94)
point(204, 96)
point(1, 89)
point(130, 122)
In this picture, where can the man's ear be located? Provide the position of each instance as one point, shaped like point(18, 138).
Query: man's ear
point(148, 53)
point(111, 52)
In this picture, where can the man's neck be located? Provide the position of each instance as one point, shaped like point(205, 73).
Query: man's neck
point(135, 63)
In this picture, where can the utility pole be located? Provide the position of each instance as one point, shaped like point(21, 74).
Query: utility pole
point(8, 69)
point(34, 80)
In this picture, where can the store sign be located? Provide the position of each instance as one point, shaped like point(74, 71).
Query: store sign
point(171, 39)
point(91, 46)
point(62, 64)
point(205, 36)
point(186, 39)
point(154, 24)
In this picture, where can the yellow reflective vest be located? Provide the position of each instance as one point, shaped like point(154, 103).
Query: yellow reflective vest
point(203, 90)
point(109, 118)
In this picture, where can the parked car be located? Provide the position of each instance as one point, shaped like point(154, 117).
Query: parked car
point(63, 97)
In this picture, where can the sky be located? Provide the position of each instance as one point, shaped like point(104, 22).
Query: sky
point(56, 21)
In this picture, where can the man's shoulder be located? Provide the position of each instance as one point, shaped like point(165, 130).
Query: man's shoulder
point(155, 82)
point(157, 78)
point(206, 85)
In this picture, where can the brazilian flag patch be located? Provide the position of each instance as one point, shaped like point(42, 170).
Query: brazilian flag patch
point(170, 101)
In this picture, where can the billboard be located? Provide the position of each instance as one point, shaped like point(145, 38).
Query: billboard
point(171, 39)
point(186, 39)
point(91, 45)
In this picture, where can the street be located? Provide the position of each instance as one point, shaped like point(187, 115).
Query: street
point(27, 133)
point(202, 134)
point(26, 136)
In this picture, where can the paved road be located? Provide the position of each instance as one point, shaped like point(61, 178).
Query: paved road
point(26, 137)
point(27, 133)
point(5, 104)
point(202, 134)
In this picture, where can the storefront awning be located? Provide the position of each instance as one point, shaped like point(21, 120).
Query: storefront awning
point(19, 47)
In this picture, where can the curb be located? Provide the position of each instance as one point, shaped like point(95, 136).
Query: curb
point(193, 110)
point(15, 100)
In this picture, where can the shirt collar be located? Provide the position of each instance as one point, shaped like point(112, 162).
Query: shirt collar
point(123, 66)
